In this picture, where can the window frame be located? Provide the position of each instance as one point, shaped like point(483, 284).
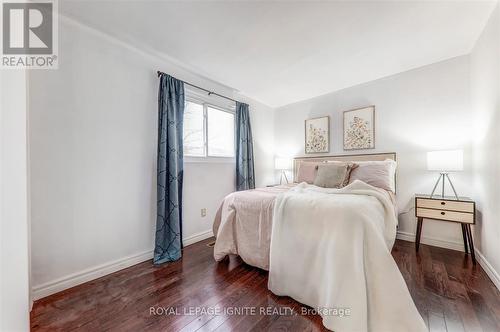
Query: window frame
point(206, 157)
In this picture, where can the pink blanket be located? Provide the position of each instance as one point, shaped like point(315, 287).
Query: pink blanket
point(243, 225)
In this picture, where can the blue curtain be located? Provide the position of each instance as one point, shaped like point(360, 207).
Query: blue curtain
point(245, 177)
point(168, 238)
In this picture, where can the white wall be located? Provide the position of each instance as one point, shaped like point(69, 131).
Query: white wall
point(93, 159)
point(416, 111)
point(14, 264)
point(485, 78)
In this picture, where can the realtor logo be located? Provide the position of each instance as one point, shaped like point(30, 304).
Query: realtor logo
point(29, 34)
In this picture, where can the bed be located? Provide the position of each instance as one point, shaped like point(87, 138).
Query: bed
point(327, 248)
point(243, 222)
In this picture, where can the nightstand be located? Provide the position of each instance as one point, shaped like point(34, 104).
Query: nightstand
point(462, 211)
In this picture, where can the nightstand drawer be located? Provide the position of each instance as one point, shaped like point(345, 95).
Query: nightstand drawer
point(445, 205)
point(446, 215)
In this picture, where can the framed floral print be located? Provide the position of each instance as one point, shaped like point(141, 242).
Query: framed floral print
point(359, 128)
point(317, 135)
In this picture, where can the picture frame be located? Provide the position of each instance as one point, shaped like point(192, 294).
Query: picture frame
point(317, 135)
point(359, 128)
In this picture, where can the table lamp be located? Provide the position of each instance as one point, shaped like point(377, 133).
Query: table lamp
point(445, 162)
point(283, 164)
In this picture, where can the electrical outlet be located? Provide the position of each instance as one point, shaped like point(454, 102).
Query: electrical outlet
point(203, 212)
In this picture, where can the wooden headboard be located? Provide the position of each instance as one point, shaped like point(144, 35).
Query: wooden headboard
point(346, 157)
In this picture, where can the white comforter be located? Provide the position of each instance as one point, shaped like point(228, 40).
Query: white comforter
point(330, 249)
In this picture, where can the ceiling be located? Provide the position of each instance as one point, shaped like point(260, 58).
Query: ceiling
point(283, 52)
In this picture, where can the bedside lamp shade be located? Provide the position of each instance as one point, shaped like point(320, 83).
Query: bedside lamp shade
point(282, 163)
point(445, 161)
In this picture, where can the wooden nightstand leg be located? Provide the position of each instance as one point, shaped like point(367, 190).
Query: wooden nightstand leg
point(464, 235)
point(471, 244)
point(419, 231)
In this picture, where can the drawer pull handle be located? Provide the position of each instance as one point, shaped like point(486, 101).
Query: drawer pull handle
point(443, 203)
point(442, 213)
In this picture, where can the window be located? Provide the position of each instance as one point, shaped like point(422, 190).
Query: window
point(220, 126)
point(194, 123)
point(208, 131)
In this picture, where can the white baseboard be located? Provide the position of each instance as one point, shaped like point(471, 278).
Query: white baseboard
point(432, 241)
point(487, 267)
point(197, 237)
point(490, 271)
point(92, 273)
point(98, 271)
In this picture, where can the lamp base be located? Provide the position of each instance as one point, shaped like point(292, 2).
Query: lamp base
point(442, 177)
point(283, 174)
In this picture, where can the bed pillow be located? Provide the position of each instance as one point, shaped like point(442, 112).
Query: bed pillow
point(307, 172)
point(333, 175)
point(379, 174)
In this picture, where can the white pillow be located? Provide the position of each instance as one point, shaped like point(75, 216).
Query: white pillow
point(380, 174)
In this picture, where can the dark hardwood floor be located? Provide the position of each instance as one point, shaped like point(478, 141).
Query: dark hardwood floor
point(450, 293)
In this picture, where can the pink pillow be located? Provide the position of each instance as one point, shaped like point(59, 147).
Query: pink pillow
point(307, 172)
point(379, 174)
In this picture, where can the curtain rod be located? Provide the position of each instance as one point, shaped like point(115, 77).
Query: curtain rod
point(199, 87)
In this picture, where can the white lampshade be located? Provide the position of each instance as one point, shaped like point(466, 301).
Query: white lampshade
point(282, 163)
point(445, 161)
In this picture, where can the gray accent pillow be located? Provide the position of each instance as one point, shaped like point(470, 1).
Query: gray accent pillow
point(333, 175)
